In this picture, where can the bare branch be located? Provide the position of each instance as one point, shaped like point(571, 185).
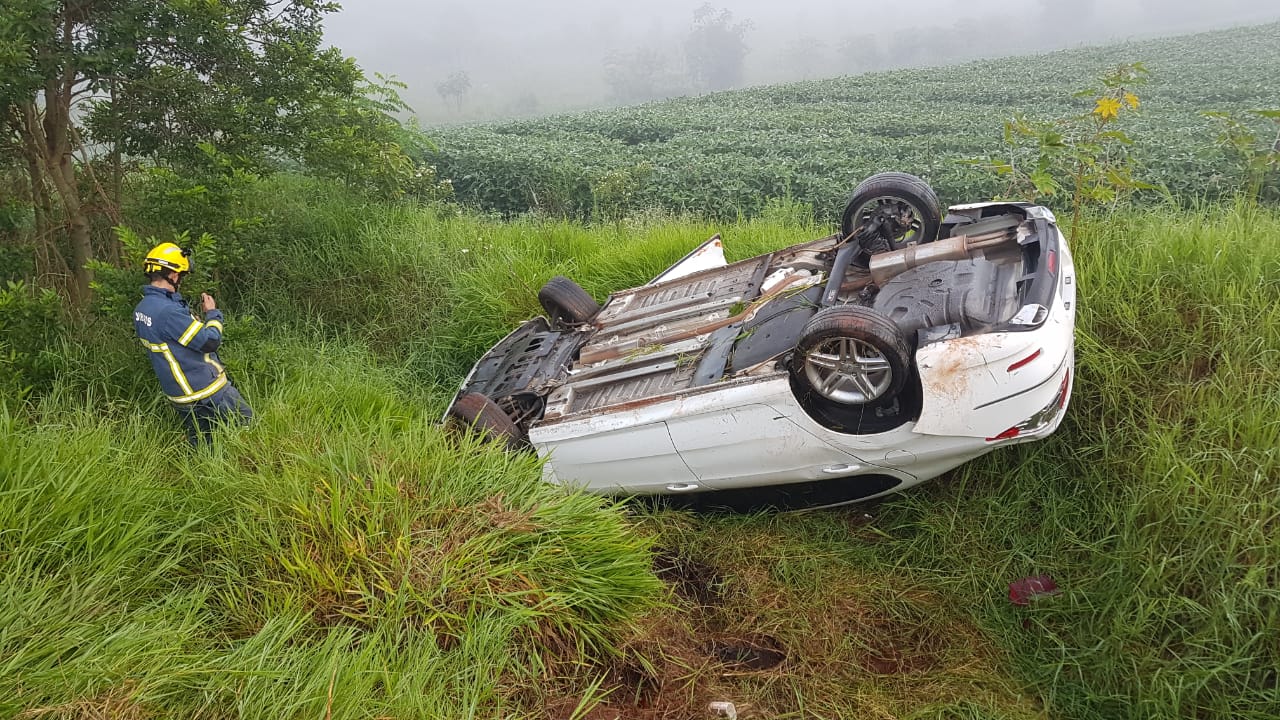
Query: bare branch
point(111, 209)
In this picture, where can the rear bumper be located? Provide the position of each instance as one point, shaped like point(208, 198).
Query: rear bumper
point(985, 385)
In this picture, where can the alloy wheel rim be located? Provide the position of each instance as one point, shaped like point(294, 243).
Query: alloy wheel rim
point(848, 370)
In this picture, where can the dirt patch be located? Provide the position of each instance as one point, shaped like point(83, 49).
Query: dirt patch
point(1202, 368)
point(753, 652)
point(689, 579)
point(662, 671)
point(756, 625)
point(949, 377)
point(678, 660)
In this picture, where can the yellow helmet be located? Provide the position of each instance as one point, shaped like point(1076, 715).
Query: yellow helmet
point(167, 256)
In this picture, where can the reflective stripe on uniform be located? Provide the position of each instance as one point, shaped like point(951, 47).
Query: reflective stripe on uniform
point(208, 357)
point(214, 387)
point(163, 349)
point(191, 331)
point(215, 323)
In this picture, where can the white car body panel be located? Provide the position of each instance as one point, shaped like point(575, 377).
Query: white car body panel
point(755, 443)
point(630, 458)
point(709, 254)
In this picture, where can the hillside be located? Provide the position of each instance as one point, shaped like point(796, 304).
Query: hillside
point(344, 558)
point(723, 155)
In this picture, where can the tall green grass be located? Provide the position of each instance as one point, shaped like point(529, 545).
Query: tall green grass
point(342, 558)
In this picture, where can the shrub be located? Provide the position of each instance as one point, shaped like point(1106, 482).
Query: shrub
point(31, 328)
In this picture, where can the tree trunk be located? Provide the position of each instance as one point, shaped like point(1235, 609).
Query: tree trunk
point(64, 179)
point(46, 252)
point(50, 138)
point(47, 132)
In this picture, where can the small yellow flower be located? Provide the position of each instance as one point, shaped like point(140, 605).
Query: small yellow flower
point(1131, 99)
point(1107, 108)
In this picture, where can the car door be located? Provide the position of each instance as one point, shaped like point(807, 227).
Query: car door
point(633, 459)
point(755, 445)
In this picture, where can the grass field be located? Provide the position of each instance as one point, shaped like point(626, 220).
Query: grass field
point(342, 559)
point(724, 155)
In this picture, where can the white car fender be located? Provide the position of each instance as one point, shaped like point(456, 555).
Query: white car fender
point(982, 385)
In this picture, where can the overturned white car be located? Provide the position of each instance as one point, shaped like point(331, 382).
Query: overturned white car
point(835, 370)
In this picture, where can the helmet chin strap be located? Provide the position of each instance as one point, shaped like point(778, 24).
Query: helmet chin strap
point(174, 279)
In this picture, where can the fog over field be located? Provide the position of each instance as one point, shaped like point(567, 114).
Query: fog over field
point(496, 58)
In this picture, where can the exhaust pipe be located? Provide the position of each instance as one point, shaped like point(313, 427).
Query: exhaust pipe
point(886, 266)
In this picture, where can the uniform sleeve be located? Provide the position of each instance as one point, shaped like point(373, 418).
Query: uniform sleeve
point(199, 336)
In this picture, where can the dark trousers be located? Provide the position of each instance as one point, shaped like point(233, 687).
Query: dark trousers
point(200, 417)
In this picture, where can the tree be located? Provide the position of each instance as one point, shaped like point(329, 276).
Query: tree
point(357, 139)
point(145, 79)
point(861, 53)
point(715, 48)
point(456, 86)
point(639, 76)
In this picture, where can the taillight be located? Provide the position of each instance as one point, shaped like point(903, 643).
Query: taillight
point(1025, 361)
point(1052, 263)
point(1043, 417)
point(1006, 435)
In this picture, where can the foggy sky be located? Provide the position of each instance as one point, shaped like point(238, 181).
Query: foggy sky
point(527, 58)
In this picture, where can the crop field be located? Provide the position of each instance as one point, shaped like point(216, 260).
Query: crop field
point(724, 155)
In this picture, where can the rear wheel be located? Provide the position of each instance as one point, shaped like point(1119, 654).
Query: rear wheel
point(852, 355)
point(907, 211)
point(566, 303)
point(476, 412)
point(851, 370)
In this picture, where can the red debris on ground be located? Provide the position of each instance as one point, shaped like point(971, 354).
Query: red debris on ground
point(1028, 589)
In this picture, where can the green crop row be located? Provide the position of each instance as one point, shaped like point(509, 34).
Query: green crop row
point(724, 155)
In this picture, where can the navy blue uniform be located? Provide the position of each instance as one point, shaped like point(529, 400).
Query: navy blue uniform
point(185, 359)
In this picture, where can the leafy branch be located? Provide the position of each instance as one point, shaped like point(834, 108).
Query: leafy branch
point(1085, 156)
point(1258, 157)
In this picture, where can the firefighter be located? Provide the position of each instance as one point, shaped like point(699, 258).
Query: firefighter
point(183, 348)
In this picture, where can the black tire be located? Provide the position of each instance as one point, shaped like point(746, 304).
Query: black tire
point(851, 355)
point(896, 403)
point(566, 302)
point(909, 205)
point(476, 412)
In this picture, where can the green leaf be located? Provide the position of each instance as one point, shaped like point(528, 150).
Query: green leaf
point(1116, 135)
point(1044, 183)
